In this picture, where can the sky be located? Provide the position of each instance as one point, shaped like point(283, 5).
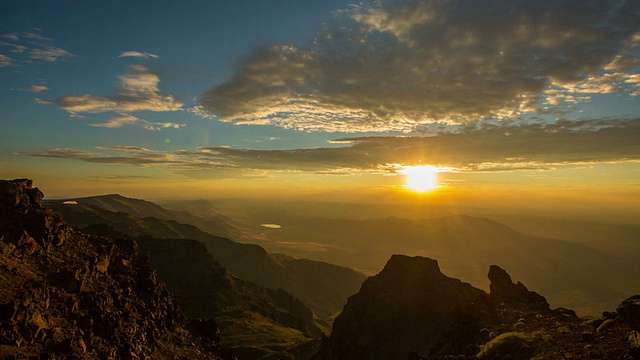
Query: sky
point(165, 99)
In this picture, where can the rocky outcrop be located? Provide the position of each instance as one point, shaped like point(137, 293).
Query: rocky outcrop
point(402, 309)
point(71, 295)
point(503, 290)
point(411, 310)
point(26, 225)
point(629, 309)
point(514, 323)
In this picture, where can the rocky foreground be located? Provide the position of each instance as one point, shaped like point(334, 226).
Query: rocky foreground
point(66, 295)
point(70, 295)
point(410, 310)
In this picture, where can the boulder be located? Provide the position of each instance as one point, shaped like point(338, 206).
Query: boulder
point(629, 310)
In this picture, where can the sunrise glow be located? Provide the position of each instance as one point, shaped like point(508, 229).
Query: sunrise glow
point(421, 178)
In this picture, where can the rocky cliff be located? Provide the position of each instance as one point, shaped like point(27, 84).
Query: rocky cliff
point(70, 295)
point(404, 308)
point(412, 311)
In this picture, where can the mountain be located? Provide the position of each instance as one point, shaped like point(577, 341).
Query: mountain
point(255, 320)
point(410, 310)
point(321, 286)
point(214, 223)
point(69, 295)
point(572, 275)
point(405, 307)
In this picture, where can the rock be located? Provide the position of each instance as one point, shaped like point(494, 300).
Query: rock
point(59, 299)
point(25, 223)
point(634, 344)
point(629, 310)
point(588, 336)
point(607, 324)
point(503, 290)
point(512, 345)
point(20, 193)
point(595, 322)
point(208, 329)
point(404, 308)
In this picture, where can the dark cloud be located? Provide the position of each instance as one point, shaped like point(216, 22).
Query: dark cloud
point(395, 64)
point(478, 148)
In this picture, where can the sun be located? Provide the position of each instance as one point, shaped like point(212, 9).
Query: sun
point(421, 178)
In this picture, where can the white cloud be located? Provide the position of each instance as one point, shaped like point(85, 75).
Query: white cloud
point(4, 60)
point(138, 91)
point(31, 47)
point(38, 88)
point(49, 54)
point(138, 54)
point(121, 120)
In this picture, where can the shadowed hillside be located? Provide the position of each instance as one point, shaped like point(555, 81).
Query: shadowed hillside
point(252, 317)
point(321, 286)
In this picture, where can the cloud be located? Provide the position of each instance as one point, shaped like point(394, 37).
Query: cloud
point(121, 120)
point(119, 179)
point(138, 91)
point(397, 64)
point(37, 88)
point(138, 54)
point(4, 60)
point(49, 54)
point(31, 48)
point(474, 148)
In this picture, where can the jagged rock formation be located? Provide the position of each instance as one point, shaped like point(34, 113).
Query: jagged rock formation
point(25, 223)
point(321, 286)
point(512, 322)
point(412, 311)
point(70, 295)
point(503, 290)
point(405, 307)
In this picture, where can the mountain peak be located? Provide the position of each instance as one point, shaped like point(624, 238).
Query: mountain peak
point(406, 306)
point(411, 267)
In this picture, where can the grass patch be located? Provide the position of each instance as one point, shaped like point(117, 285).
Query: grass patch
point(255, 331)
point(511, 345)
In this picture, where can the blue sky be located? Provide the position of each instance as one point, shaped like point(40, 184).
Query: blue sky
point(274, 92)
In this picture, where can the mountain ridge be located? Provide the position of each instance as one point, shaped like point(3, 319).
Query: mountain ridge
point(331, 284)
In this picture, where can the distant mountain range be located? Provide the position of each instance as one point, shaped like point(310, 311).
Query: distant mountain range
point(577, 276)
